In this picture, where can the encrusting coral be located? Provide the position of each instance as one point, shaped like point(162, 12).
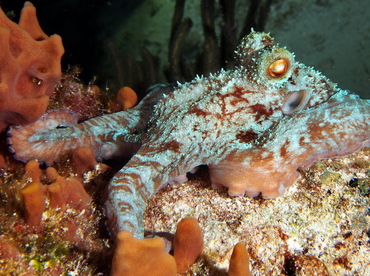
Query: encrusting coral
point(85, 101)
point(50, 227)
point(30, 66)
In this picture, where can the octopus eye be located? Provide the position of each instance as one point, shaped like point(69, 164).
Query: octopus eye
point(278, 68)
point(36, 81)
point(274, 67)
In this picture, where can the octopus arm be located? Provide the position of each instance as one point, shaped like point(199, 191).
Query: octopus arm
point(57, 133)
point(335, 129)
point(147, 171)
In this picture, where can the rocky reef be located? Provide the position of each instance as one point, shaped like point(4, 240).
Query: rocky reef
point(54, 213)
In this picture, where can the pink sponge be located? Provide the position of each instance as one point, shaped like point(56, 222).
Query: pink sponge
point(30, 65)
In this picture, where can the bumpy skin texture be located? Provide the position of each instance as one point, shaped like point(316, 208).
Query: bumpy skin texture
point(30, 65)
point(254, 126)
point(44, 142)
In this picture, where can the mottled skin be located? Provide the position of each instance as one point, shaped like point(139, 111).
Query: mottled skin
point(335, 128)
point(246, 124)
point(206, 120)
point(47, 143)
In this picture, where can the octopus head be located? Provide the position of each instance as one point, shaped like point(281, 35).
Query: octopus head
point(274, 68)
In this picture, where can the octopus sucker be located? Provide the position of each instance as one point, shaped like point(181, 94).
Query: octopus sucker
point(255, 126)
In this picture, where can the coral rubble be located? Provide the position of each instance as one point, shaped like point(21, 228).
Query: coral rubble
point(321, 224)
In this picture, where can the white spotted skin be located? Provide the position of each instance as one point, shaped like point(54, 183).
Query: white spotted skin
point(45, 142)
point(336, 128)
point(204, 122)
point(253, 130)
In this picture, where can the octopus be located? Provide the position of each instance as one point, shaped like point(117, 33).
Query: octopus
point(255, 126)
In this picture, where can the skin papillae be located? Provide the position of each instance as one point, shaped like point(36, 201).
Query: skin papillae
point(254, 126)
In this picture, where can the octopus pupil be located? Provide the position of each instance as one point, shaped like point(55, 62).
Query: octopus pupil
point(278, 68)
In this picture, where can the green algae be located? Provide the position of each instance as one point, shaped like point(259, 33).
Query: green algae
point(329, 176)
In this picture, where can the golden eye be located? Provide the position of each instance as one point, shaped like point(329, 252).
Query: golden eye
point(278, 68)
point(36, 81)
